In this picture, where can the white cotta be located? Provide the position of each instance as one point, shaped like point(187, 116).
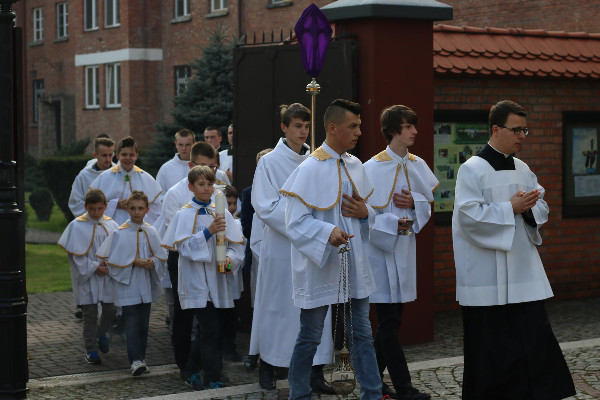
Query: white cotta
point(81, 185)
point(225, 161)
point(172, 172)
point(495, 250)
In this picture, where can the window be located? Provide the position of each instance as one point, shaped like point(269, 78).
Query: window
point(62, 21)
point(182, 75)
point(38, 94)
point(92, 87)
point(91, 15)
point(111, 8)
point(182, 8)
point(38, 24)
point(113, 85)
point(218, 5)
point(278, 1)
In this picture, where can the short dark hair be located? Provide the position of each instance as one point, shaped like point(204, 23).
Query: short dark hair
point(201, 171)
point(103, 141)
point(393, 117)
point(501, 110)
point(213, 128)
point(337, 109)
point(231, 191)
point(295, 110)
point(127, 141)
point(203, 149)
point(137, 195)
point(94, 196)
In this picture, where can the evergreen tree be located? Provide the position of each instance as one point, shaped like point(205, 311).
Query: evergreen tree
point(207, 100)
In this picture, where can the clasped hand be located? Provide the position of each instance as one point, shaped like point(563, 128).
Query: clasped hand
point(146, 264)
point(524, 201)
point(354, 206)
point(404, 199)
point(102, 268)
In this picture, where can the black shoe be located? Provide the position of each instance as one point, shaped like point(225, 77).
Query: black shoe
point(250, 362)
point(413, 394)
point(388, 391)
point(266, 378)
point(318, 382)
point(232, 356)
point(281, 373)
point(78, 313)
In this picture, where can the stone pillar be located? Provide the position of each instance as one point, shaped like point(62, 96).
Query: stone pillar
point(395, 66)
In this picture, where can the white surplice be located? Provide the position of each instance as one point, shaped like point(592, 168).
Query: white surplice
point(314, 208)
point(172, 172)
point(393, 256)
point(225, 161)
point(81, 185)
point(495, 251)
point(276, 320)
point(117, 184)
point(199, 281)
point(81, 239)
point(134, 285)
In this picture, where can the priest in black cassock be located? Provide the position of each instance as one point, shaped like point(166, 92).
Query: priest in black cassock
point(510, 349)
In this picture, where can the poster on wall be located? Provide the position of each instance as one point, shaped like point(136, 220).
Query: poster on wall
point(584, 162)
point(453, 144)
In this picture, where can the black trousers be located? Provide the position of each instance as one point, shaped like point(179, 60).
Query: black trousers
point(387, 345)
point(182, 319)
point(511, 353)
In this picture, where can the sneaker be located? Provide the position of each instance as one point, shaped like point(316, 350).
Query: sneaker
point(78, 313)
point(216, 385)
point(147, 367)
point(195, 382)
point(93, 358)
point(103, 344)
point(138, 368)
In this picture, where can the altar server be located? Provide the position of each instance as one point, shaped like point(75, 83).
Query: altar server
point(136, 262)
point(177, 168)
point(501, 284)
point(276, 319)
point(120, 181)
point(404, 187)
point(325, 209)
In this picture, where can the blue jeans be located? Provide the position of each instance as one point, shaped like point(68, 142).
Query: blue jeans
point(362, 351)
point(137, 321)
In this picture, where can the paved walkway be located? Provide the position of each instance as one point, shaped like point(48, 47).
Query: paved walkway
point(58, 370)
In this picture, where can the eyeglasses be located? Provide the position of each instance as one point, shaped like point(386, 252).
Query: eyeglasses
point(212, 166)
point(517, 130)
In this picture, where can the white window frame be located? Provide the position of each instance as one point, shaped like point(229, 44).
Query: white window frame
point(278, 1)
point(38, 24)
point(181, 80)
point(115, 17)
point(38, 94)
point(94, 22)
point(182, 10)
point(62, 20)
point(218, 5)
point(92, 100)
point(113, 85)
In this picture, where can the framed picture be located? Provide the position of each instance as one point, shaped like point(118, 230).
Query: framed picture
point(581, 174)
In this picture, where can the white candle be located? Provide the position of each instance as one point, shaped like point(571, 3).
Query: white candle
point(221, 238)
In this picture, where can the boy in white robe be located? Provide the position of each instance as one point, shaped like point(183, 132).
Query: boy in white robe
point(120, 181)
point(226, 156)
point(201, 287)
point(276, 320)
point(501, 284)
point(326, 208)
point(135, 262)
point(177, 168)
point(404, 187)
point(91, 283)
point(103, 154)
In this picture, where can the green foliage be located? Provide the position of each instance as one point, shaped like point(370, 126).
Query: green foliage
point(41, 202)
point(74, 149)
point(61, 171)
point(47, 268)
point(56, 223)
point(207, 100)
point(34, 178)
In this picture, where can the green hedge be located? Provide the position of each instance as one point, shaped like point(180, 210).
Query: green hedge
point(60, 172)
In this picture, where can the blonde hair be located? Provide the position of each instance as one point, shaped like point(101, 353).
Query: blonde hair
point(201, 171)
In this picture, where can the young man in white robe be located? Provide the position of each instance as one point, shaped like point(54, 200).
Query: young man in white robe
point(103, 154)
point(91, 283)
point(276, 320)
point(226, 156)
point(135, 261)
point(177, 168)
point(501, 284)
point(201, 288)
point(404, 187)
point(325, 209)
point(120, 181)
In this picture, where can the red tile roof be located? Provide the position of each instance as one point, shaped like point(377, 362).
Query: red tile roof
point(515, 52)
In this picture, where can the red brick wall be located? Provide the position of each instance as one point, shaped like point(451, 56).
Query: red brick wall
point(550, 15)
point(571, 246)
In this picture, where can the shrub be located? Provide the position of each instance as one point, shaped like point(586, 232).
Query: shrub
point(34, 178)
point(41, 201)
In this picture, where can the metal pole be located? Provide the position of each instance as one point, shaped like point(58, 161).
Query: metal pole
point(13, 304)
point(313, 88)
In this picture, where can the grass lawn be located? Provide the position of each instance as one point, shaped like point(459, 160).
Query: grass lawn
point(47, 268)
point(56, 223)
